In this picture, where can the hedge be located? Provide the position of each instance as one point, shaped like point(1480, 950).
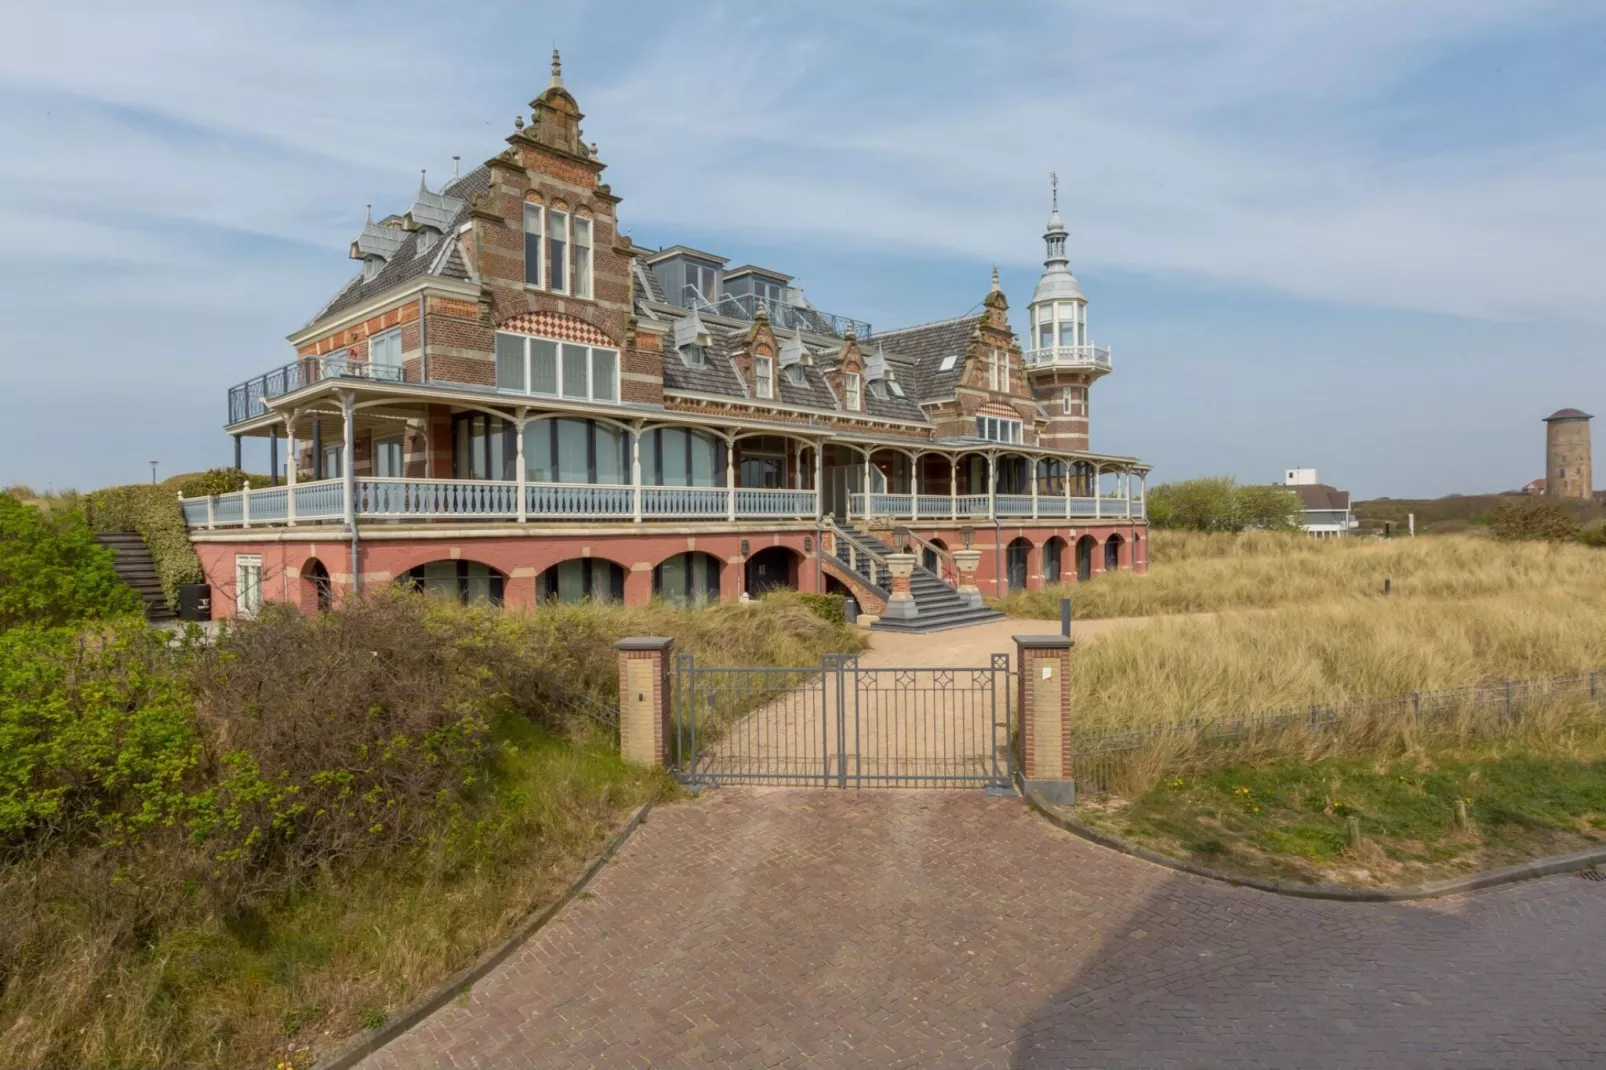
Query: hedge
point(831, 608)
point(217, 481)
point(154, 512)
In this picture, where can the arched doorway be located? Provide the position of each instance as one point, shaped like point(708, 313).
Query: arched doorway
point(772, 568)
point(928, 556)
point(687, 579)
point(1053, 558)
point(1016, 556)
point(1112, 554)
point(468, 582)
point(1084, 557)
point(581, 578)
point(323, 590)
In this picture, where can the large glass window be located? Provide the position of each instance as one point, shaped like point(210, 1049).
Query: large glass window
point(384, 349)
point(468, 582)
point(686, 579)
point(682, 457)
point(582, 578)
point(557, 247)
point(703, 278)
point(483, 447)
point(576, 451)
point(582, 257)
point(998, 430)
point(528, 365)
point(763, 462)
point(532, 244)
point(388, 457)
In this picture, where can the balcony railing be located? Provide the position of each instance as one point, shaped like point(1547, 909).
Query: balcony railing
point(974, 507)
point(249, 398)
point(1088, 356)
point(781, 314)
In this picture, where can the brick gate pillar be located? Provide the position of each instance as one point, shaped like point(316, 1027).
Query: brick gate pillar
point(900, 601)
point(966, 561)
point(645, 733)
point(1044, 701)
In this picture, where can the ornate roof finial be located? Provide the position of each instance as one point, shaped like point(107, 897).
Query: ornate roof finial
point(368, 214)
point(996, 287)
point(518, 122)
point(422, 184)
point(455, 160)
point(557, 70)
point(1054, 187)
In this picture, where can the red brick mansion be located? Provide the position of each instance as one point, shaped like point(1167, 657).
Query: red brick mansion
point(511, 402)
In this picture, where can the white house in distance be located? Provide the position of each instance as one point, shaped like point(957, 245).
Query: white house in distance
point(1325, 510)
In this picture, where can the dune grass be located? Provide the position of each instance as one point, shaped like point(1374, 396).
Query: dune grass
point(1540, 794)
point(1192, 573)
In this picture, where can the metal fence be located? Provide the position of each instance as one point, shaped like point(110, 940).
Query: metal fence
point(843, 725)
point(1105, 761)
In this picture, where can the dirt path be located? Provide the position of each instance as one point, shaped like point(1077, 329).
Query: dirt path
point(972, 646)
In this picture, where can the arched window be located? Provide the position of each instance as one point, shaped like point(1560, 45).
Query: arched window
point(1053, 559)
point(1016, 556)
point(582, 578)
point(468, 582)
point(687, 579)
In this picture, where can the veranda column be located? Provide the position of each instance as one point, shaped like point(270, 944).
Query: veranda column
point(1045, 706)
point(635, 473)
point(292, 461)
point(273, 456)
point(730, 479)
point(518, 462)
point(953, 488)
point(1033, 462)
point(1098, 494)
point(819, 484)
point(1065, 484)
point(866, 517)
point(1126, 490)
point(646, 735)
point(348, 480)
point(914, 489)
point(992, 487)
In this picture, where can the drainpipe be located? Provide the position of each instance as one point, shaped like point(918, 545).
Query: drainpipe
point(346, 471)
point(998, 558)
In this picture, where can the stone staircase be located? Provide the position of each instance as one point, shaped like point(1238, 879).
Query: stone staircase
point(938, 605)
point(135, 567)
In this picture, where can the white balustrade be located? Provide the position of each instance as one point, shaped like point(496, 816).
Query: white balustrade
point(471, 498)
point(228, 509)
point(321, 500)
point(683, 501)
point(578, 501)
point(771, 502)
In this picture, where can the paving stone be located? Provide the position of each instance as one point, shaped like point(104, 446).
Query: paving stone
point(950, 929)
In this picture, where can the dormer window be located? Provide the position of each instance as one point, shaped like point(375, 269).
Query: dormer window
point(763, 377)
point(371, 267)
point(896, 388)
point(850, 391)
point(693, 355)
point(878, 389)
point(796, 375)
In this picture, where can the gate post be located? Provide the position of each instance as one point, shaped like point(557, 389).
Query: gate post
point(966, 561)
point(900, 601)
point(1045, 716)
point(644, 702)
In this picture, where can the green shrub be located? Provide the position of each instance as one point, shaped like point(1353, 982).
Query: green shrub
point(217, 481)
point(1594, 534)
point(97, 734)
point(831, 608)
point(1528, 519)
point(1218, 503)
point(154, 512)
point(52, 571)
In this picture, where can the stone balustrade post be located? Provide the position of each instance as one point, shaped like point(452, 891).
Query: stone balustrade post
point(901, 601)
point(967, 561)
point(646, 733)
point(1044, 702)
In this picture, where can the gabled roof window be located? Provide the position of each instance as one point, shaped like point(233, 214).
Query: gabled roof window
point(948, 362)
point(896, 388)
point(692, 355)
point(796, 375)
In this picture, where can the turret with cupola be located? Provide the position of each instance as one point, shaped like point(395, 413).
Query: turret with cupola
point(1061, 361)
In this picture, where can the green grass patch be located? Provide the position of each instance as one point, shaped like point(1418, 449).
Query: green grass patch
point(1288, 819)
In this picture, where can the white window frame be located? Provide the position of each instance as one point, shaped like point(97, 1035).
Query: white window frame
point(1065, 400)
point(999, 429)
point(591, 370)
point(247, 585)
point(531, 208)
point(384, 338)
point(850, 391)
point(590, 259)
point(568, 239)
point(400, 441)
point(763, 377)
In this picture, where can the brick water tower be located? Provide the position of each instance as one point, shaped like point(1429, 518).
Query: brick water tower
point(1567, 475)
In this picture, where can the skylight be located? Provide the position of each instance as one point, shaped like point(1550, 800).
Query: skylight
point(896, 387)
point(948, 362)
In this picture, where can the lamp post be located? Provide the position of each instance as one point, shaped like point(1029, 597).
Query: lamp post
point(153, 473)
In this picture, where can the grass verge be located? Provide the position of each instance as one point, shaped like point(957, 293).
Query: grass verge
point(1198, 573)
point(1288, 819)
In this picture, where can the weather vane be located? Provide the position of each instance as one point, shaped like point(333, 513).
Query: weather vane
point(1054, 185)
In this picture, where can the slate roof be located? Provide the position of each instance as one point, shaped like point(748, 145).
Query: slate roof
point(1321, 496)
point(716, 375)
point(922, 349)
point(407, 263)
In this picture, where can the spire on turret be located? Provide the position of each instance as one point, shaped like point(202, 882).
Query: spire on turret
point(1054, 237)
point(557, 72)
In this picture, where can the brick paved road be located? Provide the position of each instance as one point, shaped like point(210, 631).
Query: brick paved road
point(934, 929)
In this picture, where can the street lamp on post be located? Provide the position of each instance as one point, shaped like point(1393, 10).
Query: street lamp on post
point(153, 473)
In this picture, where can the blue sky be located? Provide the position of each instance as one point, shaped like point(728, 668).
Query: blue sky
point(1365, 237)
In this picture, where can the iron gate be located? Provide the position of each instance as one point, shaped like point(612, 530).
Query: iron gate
point(844, 725)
